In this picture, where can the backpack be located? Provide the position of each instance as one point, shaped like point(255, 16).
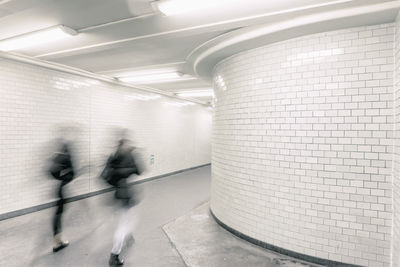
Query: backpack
point(61, 167)
point(119, 166)
point(108, 172)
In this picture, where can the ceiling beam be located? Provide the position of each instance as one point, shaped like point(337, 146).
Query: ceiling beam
point(117, 22)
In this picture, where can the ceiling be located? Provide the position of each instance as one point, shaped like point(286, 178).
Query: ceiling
point(116, 37)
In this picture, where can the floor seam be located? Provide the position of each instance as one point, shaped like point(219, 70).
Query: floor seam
point(174, 247)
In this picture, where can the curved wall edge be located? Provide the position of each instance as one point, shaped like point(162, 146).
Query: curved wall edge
point(205, 57)
point(279, 250)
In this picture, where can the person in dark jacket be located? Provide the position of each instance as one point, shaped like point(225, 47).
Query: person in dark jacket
point(122, 165)
point(63, 170)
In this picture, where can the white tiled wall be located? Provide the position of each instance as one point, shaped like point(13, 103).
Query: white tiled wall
point(302, 144)
point(33, 100)
point(396, 157)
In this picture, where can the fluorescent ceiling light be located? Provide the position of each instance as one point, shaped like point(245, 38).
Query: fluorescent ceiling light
point(156, 78)
point(198, 93)
point(174, 7)
point(140, 72)
point(142, 97)
point(5, 1)
point(179, 104)
point(36, 38)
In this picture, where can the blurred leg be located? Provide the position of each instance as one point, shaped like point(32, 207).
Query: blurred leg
point(57, 222)
point(60, 208)
point(121, 231)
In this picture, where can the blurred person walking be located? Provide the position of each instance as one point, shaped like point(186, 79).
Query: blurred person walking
point(61, 169)
point(119, 167)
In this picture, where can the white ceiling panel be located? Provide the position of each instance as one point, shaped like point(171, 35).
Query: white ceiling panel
point(134, 54)
point(127, 35)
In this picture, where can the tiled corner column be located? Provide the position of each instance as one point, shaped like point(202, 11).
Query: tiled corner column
point(396, 158)
point(302, 144)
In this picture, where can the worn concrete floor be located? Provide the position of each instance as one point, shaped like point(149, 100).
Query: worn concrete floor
point(89, 225)
point(210, 245)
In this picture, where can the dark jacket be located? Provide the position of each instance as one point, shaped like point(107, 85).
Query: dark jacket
point(123, 165)
point(62, 167)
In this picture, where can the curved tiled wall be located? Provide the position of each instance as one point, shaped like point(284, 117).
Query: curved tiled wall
point(302, 144)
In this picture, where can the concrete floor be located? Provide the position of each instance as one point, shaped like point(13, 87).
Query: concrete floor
point(89, 225)
point(210, 245)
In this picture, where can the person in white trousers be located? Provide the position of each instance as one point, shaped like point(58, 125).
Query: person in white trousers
point(119, 167)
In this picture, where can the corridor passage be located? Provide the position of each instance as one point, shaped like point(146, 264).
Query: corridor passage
point(89, 226)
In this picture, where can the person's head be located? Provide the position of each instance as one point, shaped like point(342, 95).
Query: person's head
point(123, 142)
point(125, 145)
point(68, 131)
point(64, 147)
point(123, 137)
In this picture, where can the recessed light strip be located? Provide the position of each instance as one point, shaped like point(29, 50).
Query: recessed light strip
point(36, 38)
point(196, 93)
point(175, 7)
point(126, 71)
point(5, 1)
point(156, 77)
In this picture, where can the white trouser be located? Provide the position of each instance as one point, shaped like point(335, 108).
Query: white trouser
point(126, 225)
point(123, 228)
